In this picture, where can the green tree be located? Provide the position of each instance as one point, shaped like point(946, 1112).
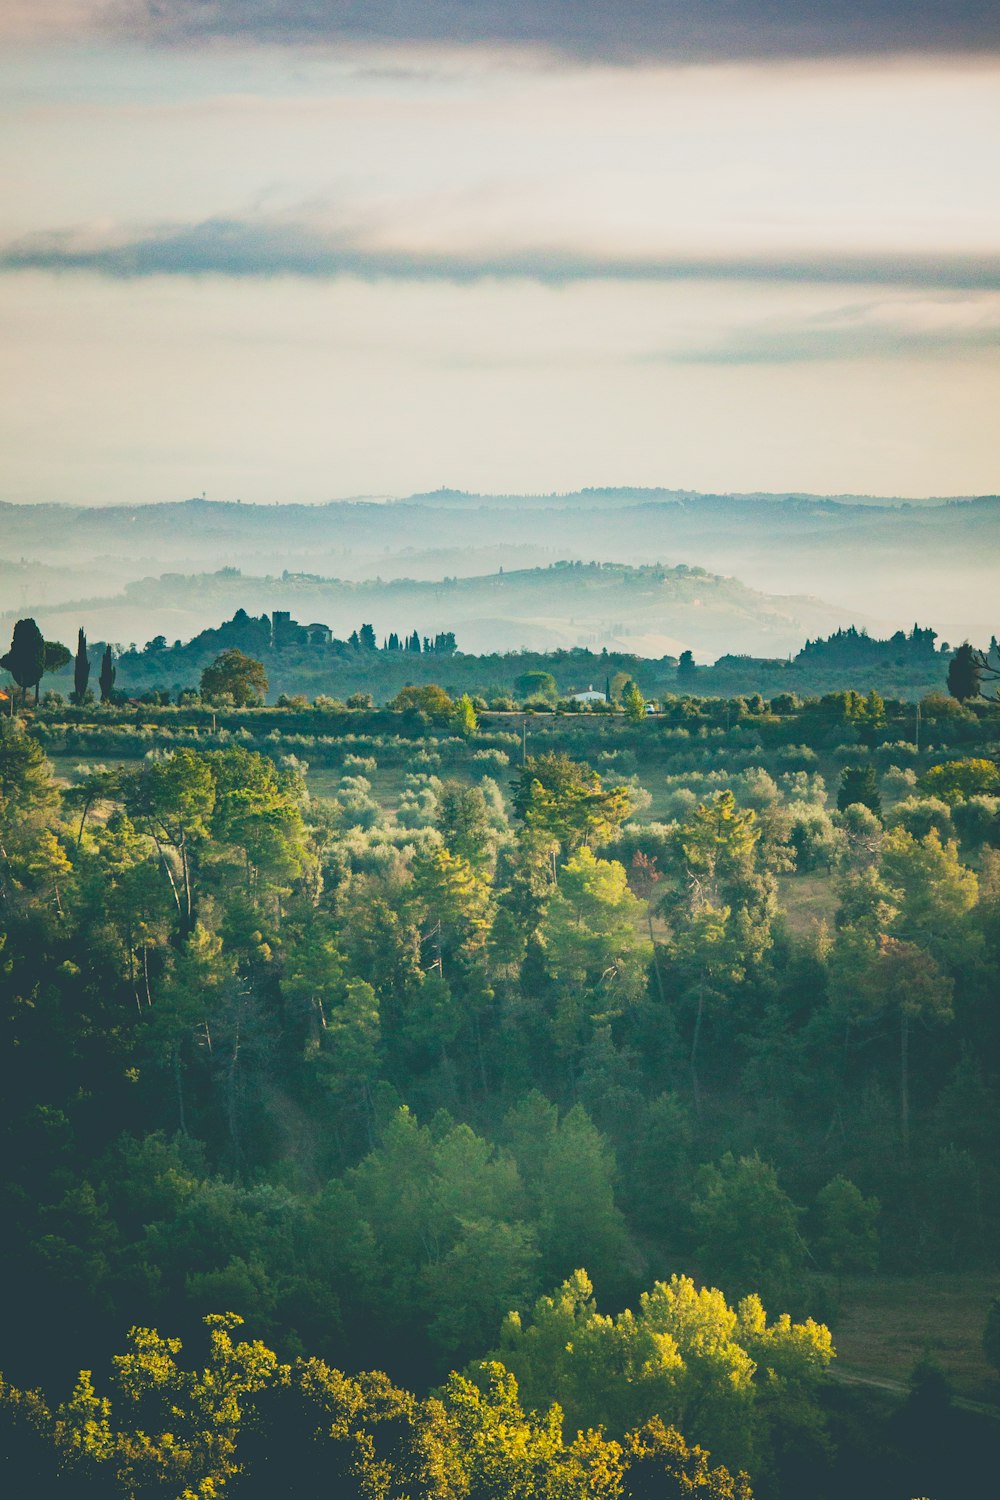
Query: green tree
point(965, 671)
point(429, 698)
point(747, 1229)
point(26, 785)
point(957, 780)
point(490, 1268)
point(633, 703)
point(720, 900)
point(568, 1169)
point(463, 717)
point(467, 824)
point(81, 669)
point(707, 954)
point(173, 799)
point(57, 656)
point(536, 685)
point(25, 661)
point(453, 905)
point(313, 971)
point(870, 717)
point(859, 784)
point(90, 786)
point(716, 849)
point(433, 1200)
point(937, 894)
point(592, 945)
point(257, 808)
point(346, 1058)
point(847, 1229)
point(907, 979)
point(562, 800)
point(191, 988)
point(106, 680)
point(236, 677)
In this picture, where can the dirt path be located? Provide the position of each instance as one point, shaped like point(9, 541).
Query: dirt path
point(898, 1388)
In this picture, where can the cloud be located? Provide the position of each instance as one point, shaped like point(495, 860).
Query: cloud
point(608, 30)
point(244, 248)
point(803, 343)
point(622, 30)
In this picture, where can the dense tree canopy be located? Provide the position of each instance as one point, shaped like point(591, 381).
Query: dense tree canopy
point(375, 1040)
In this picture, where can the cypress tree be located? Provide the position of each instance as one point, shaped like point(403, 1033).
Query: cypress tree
point(81, 668)
point(107, 677)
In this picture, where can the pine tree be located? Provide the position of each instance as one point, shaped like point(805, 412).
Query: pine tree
point(25, 661)
point(859, 784)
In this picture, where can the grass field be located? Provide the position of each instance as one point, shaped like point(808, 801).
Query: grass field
point(888, 1323)
point(807, 900)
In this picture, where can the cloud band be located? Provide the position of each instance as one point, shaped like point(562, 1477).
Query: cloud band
point(620, 30)
point(246, 248)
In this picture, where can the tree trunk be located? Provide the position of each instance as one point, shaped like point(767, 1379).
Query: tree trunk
point(83, 819)
point(169, 874)
point(232, 1105)
point(656, 960)
point(694, 1052)
point(179, 1085)
point(186, 870)
point(904, 1082)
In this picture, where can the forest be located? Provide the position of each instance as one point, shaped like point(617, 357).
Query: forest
point(431, 1101)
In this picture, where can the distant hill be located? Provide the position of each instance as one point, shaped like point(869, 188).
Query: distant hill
point(651, 611)
point(882, 560)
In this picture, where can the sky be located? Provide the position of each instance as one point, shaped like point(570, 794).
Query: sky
point(286, 250)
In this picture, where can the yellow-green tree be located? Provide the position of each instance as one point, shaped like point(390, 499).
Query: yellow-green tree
point(591, 937)
point(562, 801)
point(685, 1355)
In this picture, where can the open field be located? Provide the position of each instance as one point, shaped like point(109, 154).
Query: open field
point(807, 900)
point(888, 1323)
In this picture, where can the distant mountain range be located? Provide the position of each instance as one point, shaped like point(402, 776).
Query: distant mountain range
point(805, 564)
